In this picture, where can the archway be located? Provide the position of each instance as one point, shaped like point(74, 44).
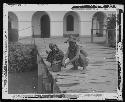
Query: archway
point(12, 27)
point(45, 26)
point(41, 24)
point(98, 23)
point(71, 24)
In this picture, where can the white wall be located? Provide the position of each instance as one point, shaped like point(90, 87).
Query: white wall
point(56, 22)
point(24, 23)
point(56, 28)
point(86, 22)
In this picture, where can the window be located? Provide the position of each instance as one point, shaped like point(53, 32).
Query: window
point(70, 23)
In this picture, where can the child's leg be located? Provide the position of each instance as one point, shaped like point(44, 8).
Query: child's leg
point(82, 62)
point(75, 66)
point(84, 67)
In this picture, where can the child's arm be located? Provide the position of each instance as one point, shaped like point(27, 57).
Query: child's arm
point(65, 56)
point(47, 52)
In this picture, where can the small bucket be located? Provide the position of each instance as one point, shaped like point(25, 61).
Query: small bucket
point(56, 67)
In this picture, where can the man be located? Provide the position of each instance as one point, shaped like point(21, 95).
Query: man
point(76, 55)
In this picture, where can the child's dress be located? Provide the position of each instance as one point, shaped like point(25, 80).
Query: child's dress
point(55, 56)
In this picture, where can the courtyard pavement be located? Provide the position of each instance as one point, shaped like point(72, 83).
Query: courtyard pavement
point(101, 75)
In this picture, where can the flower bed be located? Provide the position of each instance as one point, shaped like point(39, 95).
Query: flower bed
point(21, 57)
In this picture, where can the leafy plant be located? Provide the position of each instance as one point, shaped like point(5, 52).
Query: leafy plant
point(111, 21)
point(21, 57)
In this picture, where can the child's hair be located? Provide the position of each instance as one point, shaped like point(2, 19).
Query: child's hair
point(51, 45)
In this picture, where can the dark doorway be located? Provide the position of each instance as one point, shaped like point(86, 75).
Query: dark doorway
point(70, 23)
point(45, 26)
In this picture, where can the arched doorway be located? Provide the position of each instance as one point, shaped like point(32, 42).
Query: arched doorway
point(41, 24)
point(71, 24)
point(98, 23)
point(12, 27)
point(45, 26)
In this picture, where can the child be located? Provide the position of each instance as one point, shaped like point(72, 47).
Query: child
point(76, 55)
point(55, 55)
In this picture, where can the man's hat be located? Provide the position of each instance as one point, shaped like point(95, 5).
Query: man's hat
point(72, 39)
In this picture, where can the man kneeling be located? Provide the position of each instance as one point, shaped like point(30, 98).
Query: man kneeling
point(76, 55)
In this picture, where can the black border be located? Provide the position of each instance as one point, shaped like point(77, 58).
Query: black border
point(11, 2)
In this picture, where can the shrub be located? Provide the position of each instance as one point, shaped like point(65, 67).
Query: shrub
point(21, 57)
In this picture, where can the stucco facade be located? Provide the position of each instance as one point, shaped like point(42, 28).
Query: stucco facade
point(35, 23)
